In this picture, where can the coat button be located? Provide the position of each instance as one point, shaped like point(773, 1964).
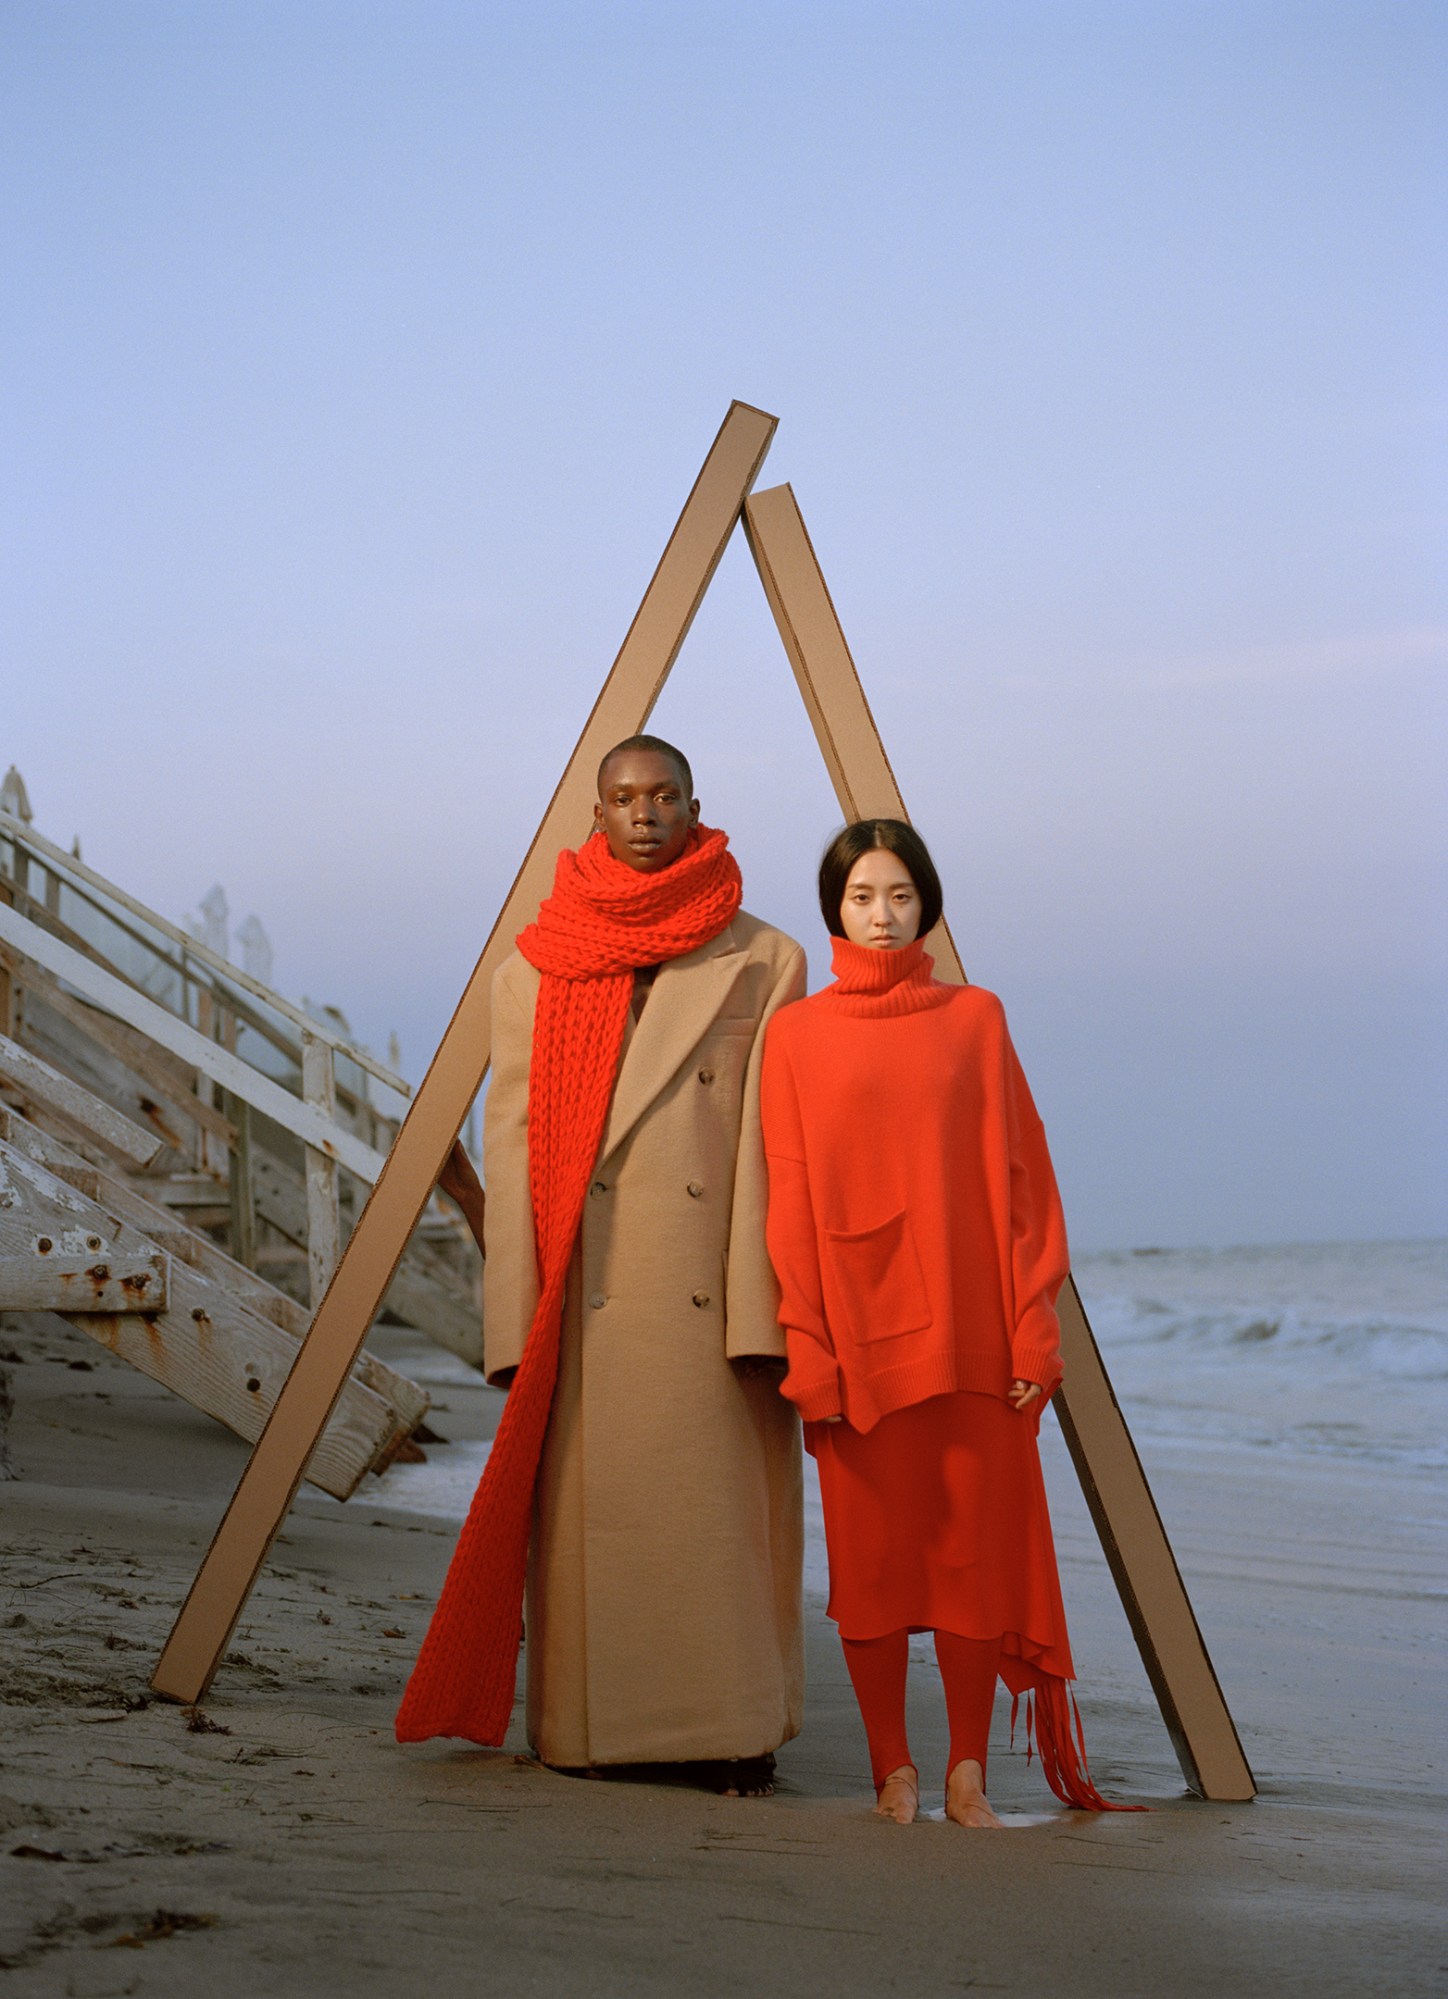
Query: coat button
point(705, 1076)
point(701, 1298)
point(598, 1187)
point(598, 1301)
point(694, 1190)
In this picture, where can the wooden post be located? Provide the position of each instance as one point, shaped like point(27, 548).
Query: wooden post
point(435, 1116)
point(211, 1154)
point(1117, 1494)
point(241, 1193)
point(9, 992)
point(241, 1199)
point(319, 1087)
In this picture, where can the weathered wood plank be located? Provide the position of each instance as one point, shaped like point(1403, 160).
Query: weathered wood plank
point(211, 1350)
point(112, 994)
point(55, 1282)
point(160, 1226)
point(33, 1078)
point(448, 1320)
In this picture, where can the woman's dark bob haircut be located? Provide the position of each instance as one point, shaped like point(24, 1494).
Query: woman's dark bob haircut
point(896, 838)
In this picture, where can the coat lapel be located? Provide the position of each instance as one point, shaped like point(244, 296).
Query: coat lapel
point(687, 994)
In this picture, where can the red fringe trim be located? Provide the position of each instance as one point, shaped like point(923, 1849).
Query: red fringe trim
point(1054, 1732)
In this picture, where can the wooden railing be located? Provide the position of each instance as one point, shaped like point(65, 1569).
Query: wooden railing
point(206, 1036)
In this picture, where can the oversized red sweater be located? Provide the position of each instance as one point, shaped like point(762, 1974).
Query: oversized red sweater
point(914, 1222)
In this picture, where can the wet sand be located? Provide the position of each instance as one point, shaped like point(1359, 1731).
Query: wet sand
point(282, 1843)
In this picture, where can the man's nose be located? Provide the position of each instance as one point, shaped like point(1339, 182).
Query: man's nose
point(643, 811)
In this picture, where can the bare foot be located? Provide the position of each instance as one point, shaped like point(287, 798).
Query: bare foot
point(965, 1798)
point(898, 1797)
point(745, 1777)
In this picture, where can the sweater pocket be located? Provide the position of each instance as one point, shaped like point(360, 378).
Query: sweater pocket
point(878, 1282)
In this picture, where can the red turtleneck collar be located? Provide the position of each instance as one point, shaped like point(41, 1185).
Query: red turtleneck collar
point(883, 984)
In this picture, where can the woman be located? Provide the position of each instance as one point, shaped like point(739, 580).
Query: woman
point(917, 1234)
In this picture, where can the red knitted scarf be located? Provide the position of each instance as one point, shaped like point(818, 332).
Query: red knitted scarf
point(602, 920)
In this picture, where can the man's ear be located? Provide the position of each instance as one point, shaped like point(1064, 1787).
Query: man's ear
point(598, 816)
point(693, 811)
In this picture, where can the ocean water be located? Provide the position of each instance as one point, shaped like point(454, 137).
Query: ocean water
point(1337, 1349)
point(1328, 1349)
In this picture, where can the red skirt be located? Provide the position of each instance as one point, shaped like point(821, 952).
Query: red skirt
point(936, 1520)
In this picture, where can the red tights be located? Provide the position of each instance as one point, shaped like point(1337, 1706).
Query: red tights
point(877, 1671)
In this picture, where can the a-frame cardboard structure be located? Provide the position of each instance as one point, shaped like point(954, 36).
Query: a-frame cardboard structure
point(1132, 1536)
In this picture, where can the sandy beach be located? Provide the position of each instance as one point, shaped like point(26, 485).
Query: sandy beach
point(280, 1841)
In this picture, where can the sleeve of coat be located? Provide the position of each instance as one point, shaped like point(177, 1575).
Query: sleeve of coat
point(1039, 1257)
point(751, 1300)
point(813, 1383)
point(510, 1268)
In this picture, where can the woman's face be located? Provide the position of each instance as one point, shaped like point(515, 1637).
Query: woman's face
point(881, 906)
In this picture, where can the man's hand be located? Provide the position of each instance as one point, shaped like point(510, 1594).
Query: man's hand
point(1023, 1394)
point(460, 1183)
point(761, 1367)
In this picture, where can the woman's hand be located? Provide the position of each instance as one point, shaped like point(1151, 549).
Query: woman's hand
point(1023, 1394)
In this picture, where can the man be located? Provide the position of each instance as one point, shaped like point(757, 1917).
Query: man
point(630, 1306)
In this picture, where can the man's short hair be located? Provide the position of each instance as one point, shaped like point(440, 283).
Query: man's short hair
point(893, 836)
point(660, 748)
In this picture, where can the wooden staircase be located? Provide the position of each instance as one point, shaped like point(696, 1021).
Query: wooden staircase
point(182, 1154)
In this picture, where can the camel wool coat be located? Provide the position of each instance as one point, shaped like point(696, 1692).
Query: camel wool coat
point(663, 1613)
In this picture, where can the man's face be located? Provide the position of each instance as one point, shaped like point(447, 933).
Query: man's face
point(643, 812)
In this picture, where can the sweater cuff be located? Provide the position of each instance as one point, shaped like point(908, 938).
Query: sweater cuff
point(813, 1381)
point(1041, 1366)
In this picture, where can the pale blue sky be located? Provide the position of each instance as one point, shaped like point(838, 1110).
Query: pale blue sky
point(357, 359)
